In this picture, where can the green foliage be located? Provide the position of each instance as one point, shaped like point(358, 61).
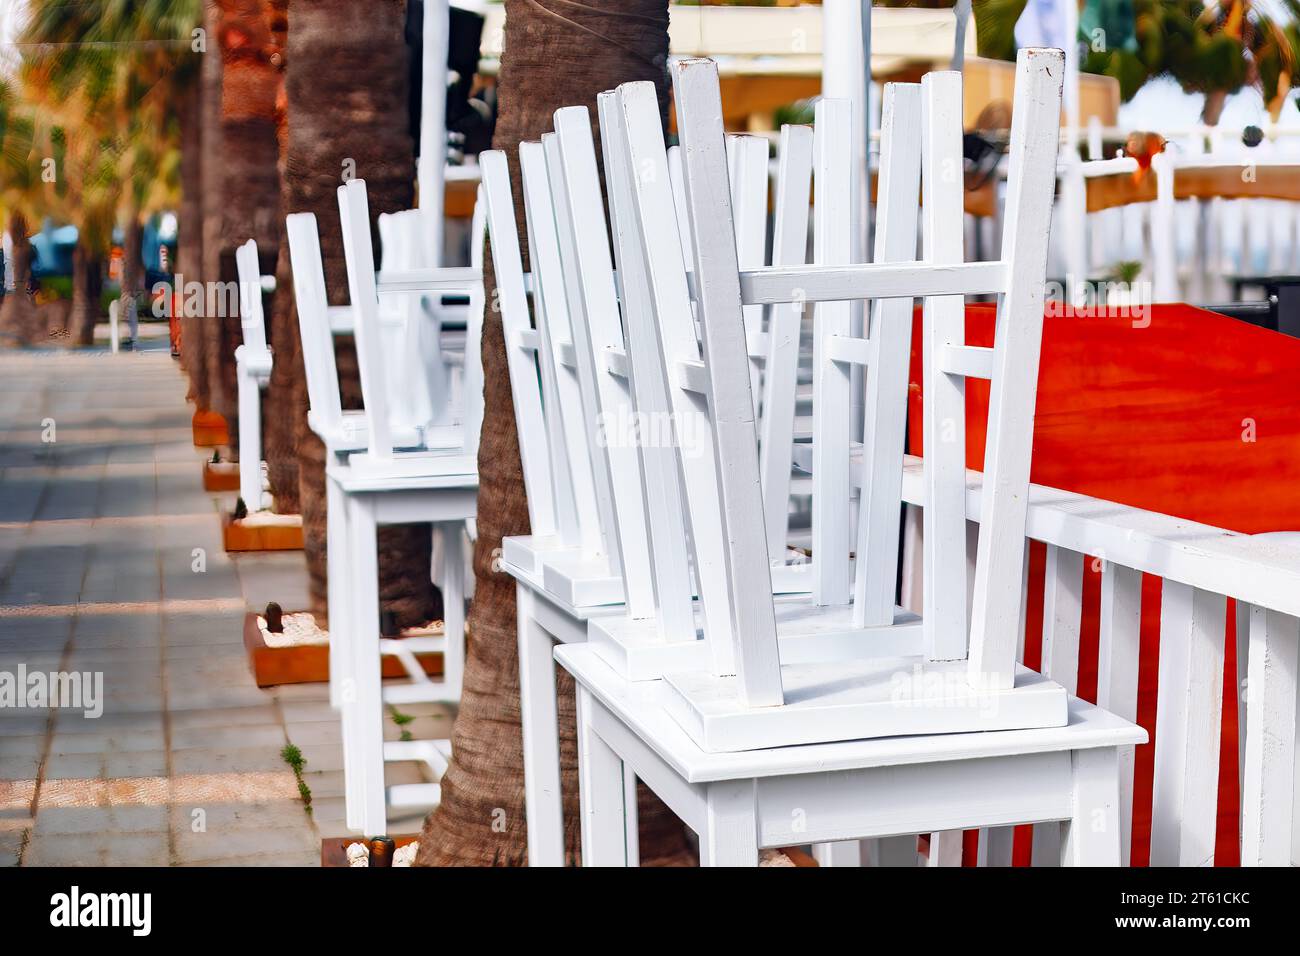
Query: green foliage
point(94, 107)
point(401, 720)
point(291, 755)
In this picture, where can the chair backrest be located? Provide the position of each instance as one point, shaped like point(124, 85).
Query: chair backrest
point(313, 321)
point(748, 171)
point(472, 386)
point(252, 320)
point(523, 344)
point(419, 393)
point(570, 440)
point(1012, 364)
point(784, 326)
point(651, 428)
point(599, 340)
point(358, 250)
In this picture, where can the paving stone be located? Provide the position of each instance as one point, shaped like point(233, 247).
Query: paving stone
point(223, 817)
point(237, 843)
point(118, 819)
point(98, 849)
point(270, 736)
point(11, 843)
point(109, 587)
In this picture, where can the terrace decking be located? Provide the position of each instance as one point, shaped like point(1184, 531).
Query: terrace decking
point(111, 562)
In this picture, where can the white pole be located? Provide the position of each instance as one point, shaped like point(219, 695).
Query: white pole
point(433, 124)
point(845, 39)
point(846, 44)
point(1073, 195)
point(1072, 121)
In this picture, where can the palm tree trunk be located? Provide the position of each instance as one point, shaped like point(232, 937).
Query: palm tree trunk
point(189, 244)
point(132, 269)
point(87, 283)
point(19, 319)
point(250, 183)
point(556, 54)
point(212, 175)
point(347, 116)
point(280, 443)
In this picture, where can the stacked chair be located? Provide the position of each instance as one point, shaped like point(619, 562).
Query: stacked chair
point(410, 456)
point(766, 715)
point(253, 363)
point(579, 403)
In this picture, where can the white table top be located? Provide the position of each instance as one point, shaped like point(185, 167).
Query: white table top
point(638, 704)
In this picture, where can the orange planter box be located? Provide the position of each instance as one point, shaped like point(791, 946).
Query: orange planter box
point(308, 663)
point(238, 536)
point(210, 430)
point(216, 478)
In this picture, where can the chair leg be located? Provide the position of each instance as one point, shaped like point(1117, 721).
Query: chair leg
point(542, 801)
point(731, 825)
point(336, 549)
point(343, 689)
point(841, 853)
point(368, 715)
point(601, 794)
point(250, 442)
point(1091, 837)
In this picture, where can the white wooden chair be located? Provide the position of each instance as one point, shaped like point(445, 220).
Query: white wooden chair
point(828, 627)
point(752, 699)
point(557, 606)
point(404, 491)
point(253, 364)
point(739, 802)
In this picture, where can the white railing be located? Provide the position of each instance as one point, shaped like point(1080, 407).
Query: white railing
point(1201, 566)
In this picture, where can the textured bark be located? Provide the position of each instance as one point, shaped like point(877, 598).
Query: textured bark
point(346, 88)
point(189, 245)
point(87, 283)
point(132, 272)
point(250, 181)
point(213, 188)
point(284, 396)
point(556, 54)
point(20, 321)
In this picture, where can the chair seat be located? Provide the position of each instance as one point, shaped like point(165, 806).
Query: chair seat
point(353, 434)
point(417, 471)
point(807, 633)
point(859, 699)
point(641, 708)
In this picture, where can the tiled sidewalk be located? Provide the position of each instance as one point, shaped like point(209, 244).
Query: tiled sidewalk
point(111, 562)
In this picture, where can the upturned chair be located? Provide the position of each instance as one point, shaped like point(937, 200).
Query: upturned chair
point(379, 496)
point(775, 793)
point(385, 485)
point(253, 364)
point(554, 391)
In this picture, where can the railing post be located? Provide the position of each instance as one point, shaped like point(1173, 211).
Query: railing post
point(1267, 789)
point(1188, 712)
point(1117, 674)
